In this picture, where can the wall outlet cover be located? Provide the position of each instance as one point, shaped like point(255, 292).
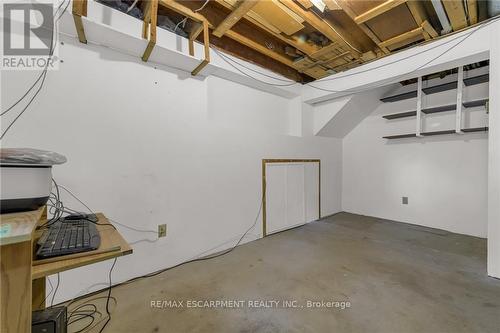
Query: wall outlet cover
point(405, 200)
point(162, 230)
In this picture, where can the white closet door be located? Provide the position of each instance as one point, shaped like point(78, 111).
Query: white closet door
point(275, 197)
point(295, 191)
point(312, 191)
point(292, 196)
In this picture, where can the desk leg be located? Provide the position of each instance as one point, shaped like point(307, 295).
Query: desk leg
point(15, 291)
point(38, 290)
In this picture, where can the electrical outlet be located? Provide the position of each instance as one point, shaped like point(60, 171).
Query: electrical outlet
point(162, 230)
point(405, 200)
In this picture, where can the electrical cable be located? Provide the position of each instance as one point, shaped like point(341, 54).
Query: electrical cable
point(394, 78)
point(55, 291)
point(248, 75)
point(253, 70)
point(109, 295)
point(195, 259)
point(482, 26)
point(184, 20)
point(43, 76)
point(92, 212)
point(48, 295)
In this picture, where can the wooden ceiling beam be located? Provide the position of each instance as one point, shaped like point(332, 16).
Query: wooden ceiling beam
point(240, 38)
point(246, 53)
point(378, 10)
point(403, 37)
point(345, 7)
point(293, 41)
point(456, 13)
point(242, 8)
point(152, 21)
point(305, 3)
point(331, 30)
point(472, 10)
point(418, 12)
point(332, 5)
point(429, 29)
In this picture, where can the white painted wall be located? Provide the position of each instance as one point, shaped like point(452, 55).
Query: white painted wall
point(445, 177)
point(494, 162)
point(150, 145)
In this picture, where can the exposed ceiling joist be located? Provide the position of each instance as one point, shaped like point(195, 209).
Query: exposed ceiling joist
point(330, 30)
point(456, 13)
point(345, 7)
point(239, 37)
point(429, 29)
point(376, 11)
point(295, 37)
point(472, 11)
point(403, 37)
point(332, 5)
point(305, 3)
point(293, 41)
point(242, 8)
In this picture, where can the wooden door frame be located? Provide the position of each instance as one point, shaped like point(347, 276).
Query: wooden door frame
point(274, 160)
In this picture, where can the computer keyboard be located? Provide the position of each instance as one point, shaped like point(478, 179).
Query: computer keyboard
point(68, 237)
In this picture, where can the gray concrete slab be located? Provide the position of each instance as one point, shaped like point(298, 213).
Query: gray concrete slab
point(396, 277)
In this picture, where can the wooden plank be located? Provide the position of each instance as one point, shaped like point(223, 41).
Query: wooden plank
point(417, 11)
point(206, 44)
point(305, 3)
point(403, 37)
point(243, 7)
point(176, 6)
point(345, 7)
point(456, 13)
point(195, 32)
point(38, 294)
point(429, 29)
point(331, 30)
point(153, 14)
point(293, 41)
point(240, 38)
point(367, 56)
point(15, 287)
point(420, 16)
point(110, 239)
point(273, 13)
point(332, 5)
point(258, 47)
point(472, 10)
point(251, 16)
point(146, 20)
point(79, 9)
point(326, 52)
point(18, 227)
point(80, 31)
point(376, 11)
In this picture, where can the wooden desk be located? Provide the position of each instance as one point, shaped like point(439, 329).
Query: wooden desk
point(23, 277)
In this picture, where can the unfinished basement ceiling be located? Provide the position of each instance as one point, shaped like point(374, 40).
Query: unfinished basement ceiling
point(298, 40)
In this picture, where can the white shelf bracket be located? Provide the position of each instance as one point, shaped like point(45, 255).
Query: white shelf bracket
point(458, 115)
point(418, 129)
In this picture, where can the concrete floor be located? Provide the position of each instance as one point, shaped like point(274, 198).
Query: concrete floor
point(397, 278)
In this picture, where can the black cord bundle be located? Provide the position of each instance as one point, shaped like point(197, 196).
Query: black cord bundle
point(90, 314)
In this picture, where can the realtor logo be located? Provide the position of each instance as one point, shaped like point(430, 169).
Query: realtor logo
point(28, 36)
